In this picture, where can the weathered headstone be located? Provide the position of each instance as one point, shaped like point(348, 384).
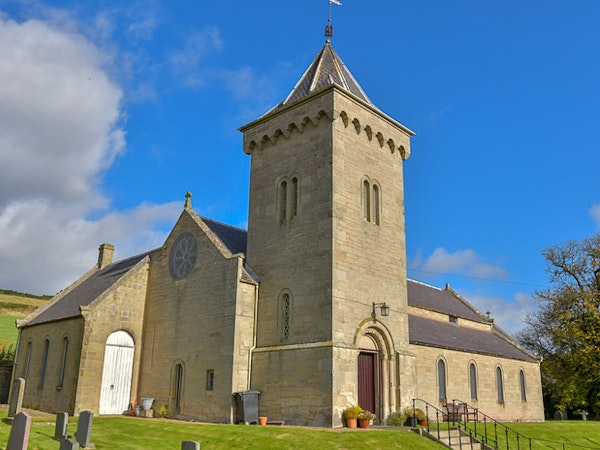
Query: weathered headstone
point(190, 445)
point(19, 432)
point(84, 429)
point(60, 429)
point(16, 397)
point(69, 444)
point(559, 415)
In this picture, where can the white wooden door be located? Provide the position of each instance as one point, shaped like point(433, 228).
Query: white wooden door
point(116, 373)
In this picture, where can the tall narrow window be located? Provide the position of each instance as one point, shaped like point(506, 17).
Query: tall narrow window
point(375, 205)
point(44, 363)
point(499, 385)
point(283, 201)
point(441, 369)
point(366, 198)
point(522, 384)
point(177, 387)
point(473, 380)
point(27, 361)
point(286, 317)
point(210, 380)
point(63, 362)
point(294, 208)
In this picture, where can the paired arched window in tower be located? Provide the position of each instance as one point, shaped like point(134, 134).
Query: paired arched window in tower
point(371, 201)
point(288, 198)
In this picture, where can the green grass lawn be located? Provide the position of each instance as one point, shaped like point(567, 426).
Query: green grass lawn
point(141, 434)
point(129, 433)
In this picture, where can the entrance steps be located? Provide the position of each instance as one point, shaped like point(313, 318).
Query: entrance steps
point(456, 440)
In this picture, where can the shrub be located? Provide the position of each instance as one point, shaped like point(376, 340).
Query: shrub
point(7, 352)
point(352, 412)
point(396, 419)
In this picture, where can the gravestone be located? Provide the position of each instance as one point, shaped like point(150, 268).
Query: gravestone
point(190, 445)
point(19, 432)
point(60, 430)
point(559, 415)
point(69, 444)
point(84, 429)
point(16, 397)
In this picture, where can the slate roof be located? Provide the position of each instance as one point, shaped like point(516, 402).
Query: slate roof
point(445, 301)
point(326, 69)
point(429, 332)
point(235, 239)
point(88, 291)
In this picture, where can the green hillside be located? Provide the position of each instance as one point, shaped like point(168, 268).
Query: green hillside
point(16, 305)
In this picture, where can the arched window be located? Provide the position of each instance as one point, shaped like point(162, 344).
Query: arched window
point(294, 206)
point(499, 385)
point(375, 205)
point(522, 385)
point(473, 380)
point(366, 200)
point(286, 311)
point(27, 361)
point(44, 362)
point(283, 201)
point(441, 373)
point(178, 377)
point(63, 362)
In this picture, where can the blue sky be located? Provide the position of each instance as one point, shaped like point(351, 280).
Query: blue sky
point(110, 111)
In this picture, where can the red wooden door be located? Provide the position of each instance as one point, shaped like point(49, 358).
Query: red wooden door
point(366, 381)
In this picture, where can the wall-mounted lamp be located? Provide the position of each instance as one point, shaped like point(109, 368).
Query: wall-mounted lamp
point(385, 310)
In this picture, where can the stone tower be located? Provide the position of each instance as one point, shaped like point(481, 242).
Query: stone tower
point(326, 236)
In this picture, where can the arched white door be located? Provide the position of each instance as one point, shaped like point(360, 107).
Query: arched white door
point(116, 373)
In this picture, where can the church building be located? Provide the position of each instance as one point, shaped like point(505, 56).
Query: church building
point(311, 306)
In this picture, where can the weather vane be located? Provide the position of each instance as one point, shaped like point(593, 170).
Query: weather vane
point(329, 26)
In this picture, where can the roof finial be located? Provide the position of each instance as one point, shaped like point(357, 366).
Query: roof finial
point(188, 200)
point(329, 26)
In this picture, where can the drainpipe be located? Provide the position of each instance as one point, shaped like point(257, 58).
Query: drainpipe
point(15, 364)
point(251, 351)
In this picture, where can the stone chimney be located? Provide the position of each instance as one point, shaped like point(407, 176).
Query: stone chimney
point(105, 255)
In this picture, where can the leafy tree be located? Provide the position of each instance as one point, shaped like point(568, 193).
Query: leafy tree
point(565, 330)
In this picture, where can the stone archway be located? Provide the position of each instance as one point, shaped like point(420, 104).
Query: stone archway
point(376, 367)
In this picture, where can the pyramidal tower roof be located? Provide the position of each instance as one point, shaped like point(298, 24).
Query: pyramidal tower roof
point(326, 69)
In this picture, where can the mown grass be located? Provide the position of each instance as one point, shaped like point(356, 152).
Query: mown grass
point(140, 434)
point(547, 435)
point(146, 434)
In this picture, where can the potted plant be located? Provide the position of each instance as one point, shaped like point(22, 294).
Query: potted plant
point(351, 415)
point(414, 416)
point(364, 418)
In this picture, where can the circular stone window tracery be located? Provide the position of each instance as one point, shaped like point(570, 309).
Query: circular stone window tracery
point(183, 256)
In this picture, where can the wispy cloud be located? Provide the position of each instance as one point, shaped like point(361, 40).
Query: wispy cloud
point(595, 213)
point(508, 314)
point(465, 262)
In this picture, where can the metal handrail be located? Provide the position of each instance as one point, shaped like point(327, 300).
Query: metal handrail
point(471, 421)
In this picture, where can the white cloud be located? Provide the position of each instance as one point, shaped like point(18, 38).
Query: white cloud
point(509, 315)
point(465, 262)
point(595, 213)
point(60, 129)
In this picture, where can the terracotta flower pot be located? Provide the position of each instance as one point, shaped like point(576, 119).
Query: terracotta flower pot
point(351, 423)
point(364, 423)
point(262, 420)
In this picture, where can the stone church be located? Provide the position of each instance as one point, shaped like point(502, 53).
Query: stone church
point(311, 306)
